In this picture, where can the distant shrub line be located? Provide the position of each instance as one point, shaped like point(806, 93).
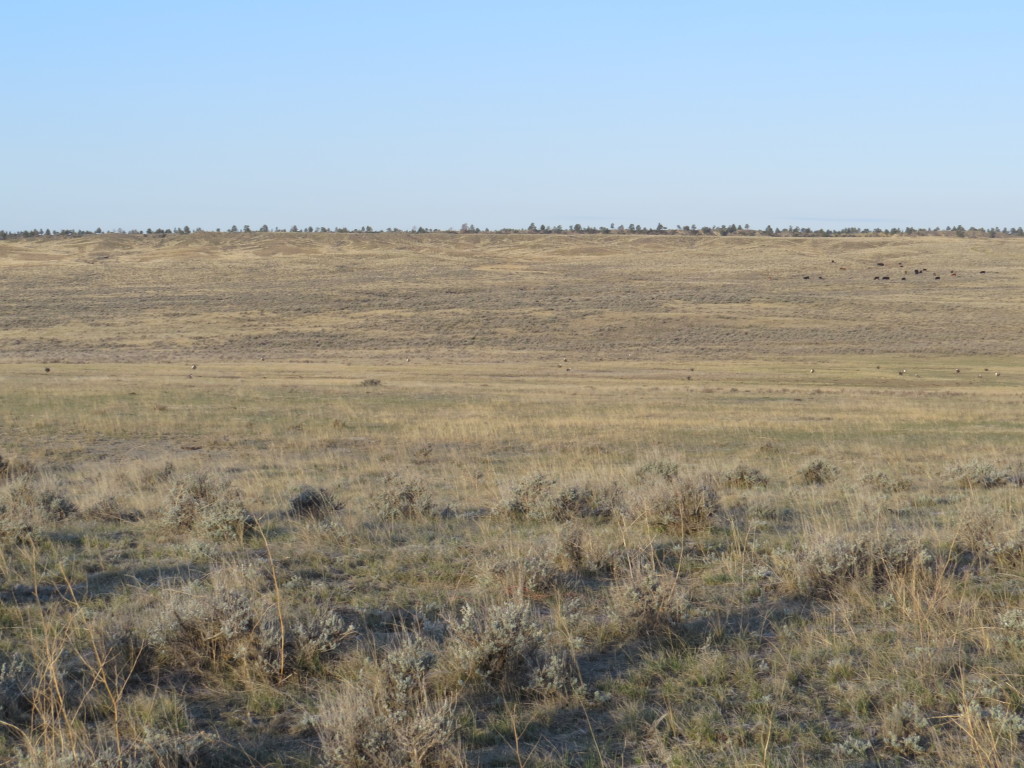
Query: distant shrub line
point(722, 230)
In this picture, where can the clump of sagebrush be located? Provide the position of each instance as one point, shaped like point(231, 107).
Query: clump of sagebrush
point(820, 571)
point(12, 468)
point(982, 539)
point(575, 502)
point(818, 472)
point(977, 474)
point(570, 547)
point(153, 749)
point(315, 503)
point(678, 505)
point(402, 497)
point(555, 677)
point(17, 679)
point(153, 477)
point(110, 509)
point(881, 481)
point(999, 726)
point(746, 477)
point(540, 498)
point(530, 576)
point(647, 601)
point(209, 506)
point(526, 498)
point(906, 731)
point(495, 646)
point(29, 498)
point(1015, 474)
point(666, 470)
point(318, 636)
point(238, 624)
point(218, 629)
point(390, 718)
point(14, 530)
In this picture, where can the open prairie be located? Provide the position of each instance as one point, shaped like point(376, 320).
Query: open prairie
point(482, 499)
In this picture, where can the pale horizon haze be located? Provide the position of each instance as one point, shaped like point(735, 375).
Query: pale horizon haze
point(400, 114)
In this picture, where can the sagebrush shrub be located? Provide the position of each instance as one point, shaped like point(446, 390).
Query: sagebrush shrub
point(526, 498)
point(495, 645)
point(153, 749)
point(14, 530)
point(554, 677)
point(822, 570)
point(818, 472)
point(314, 503)
point(678, 505)
point(881, 481)
point(16, 683)
point(977, 474)
point(1015, 474)
point(403, 498)
point(905, 731)
point(666, 470)
point(34, 501)
point(540, 498)
point(983, 540)
point(648, 601)
point(746, 477)
point(391, 719)
point(208, 506)
point(218, 629)
point(317, 636)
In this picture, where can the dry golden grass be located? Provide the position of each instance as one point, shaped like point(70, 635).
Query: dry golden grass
point(486, 298)
point(866, 620)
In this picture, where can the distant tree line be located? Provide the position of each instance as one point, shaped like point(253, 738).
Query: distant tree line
point(689, 230)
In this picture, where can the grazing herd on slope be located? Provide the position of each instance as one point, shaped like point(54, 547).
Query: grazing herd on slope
point(904, 273)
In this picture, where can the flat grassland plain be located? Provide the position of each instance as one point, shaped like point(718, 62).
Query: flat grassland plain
point(294, 499)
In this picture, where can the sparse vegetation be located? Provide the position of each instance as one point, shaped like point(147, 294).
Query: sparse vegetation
point(492, 560)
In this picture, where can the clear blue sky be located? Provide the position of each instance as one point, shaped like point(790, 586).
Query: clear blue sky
point(404, 114)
